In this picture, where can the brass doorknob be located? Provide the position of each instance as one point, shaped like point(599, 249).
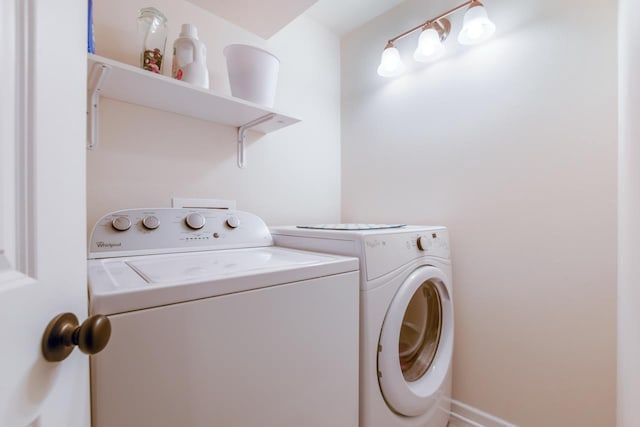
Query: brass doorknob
point(63, 333)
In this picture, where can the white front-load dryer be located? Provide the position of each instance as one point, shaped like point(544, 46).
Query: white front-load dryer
point(406, 316)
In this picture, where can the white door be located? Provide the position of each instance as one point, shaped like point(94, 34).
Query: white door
point(42, 208)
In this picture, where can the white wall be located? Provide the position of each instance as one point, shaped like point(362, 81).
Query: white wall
point(629, 217)
point(512, 144)
point(145, 157)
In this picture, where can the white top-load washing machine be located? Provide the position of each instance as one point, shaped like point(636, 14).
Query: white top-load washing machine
point(212, 325)
point(406, 316)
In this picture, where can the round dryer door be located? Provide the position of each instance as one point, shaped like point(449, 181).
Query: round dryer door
point(416, 342)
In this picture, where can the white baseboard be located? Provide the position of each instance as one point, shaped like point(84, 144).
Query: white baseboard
point(463, 415)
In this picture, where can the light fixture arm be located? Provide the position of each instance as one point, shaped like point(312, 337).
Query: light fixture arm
point(428, 22)
point(443, 27)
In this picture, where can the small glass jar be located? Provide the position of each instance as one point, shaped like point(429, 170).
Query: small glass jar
point(152, 27)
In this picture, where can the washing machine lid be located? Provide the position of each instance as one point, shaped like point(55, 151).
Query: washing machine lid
point(416, 342)
point(119, 285)
point(214, 265)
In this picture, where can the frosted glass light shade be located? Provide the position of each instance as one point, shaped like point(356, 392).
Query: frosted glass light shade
point(430, 46)
point(390, 64)
point(476, 26)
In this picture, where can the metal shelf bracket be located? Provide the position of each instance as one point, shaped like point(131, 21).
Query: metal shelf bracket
point(96, 79)
point(241, 136)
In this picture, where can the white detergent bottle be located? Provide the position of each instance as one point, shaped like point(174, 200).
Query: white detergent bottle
point(190, 58)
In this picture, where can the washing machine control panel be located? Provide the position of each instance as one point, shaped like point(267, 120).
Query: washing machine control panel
point(386, 252)
point(172, 230)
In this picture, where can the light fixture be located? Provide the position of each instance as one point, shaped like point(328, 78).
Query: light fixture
point(391, 64)
point(430, 45)
point(476, 28)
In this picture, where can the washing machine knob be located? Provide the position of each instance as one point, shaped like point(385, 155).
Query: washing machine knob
point(121, 223)
point(424, 243)
point(233, 222)
point(195, 221)
point(151, 222)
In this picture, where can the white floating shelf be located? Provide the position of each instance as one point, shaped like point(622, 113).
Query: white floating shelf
point(123, 82)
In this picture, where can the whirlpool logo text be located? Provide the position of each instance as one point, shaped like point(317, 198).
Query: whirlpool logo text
point(108, 244)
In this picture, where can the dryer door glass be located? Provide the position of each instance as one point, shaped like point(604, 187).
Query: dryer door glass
point(420, 331)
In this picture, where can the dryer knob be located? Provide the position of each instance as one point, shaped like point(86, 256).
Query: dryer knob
point(233, 222)
point(424, 243)
point(195, 221)
point(121, 223)
point(151, 222)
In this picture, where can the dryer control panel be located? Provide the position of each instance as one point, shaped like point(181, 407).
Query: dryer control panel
point(386, 252)
point(170, 230)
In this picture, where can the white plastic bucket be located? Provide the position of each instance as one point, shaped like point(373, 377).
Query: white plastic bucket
point(253, 73)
